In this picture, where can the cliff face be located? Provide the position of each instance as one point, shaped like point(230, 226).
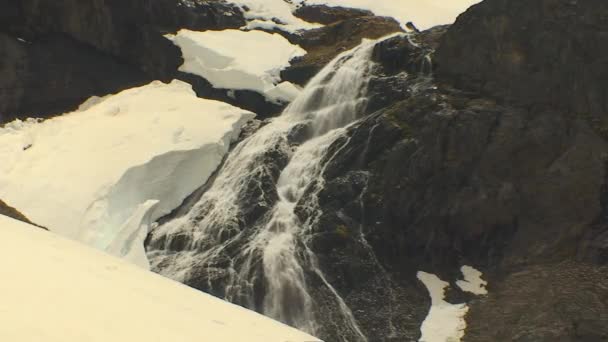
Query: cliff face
point(498, 162)
point(55, 54)
point(540, 54)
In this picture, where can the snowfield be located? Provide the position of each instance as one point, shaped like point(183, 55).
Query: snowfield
point(472, 281)
point(234, 59)
point(56, 290)
point(103, 173)
point(446, 322)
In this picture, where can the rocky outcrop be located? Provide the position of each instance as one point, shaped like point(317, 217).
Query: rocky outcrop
point(325, 43)
point(55, 54)
point(549, 53)
point(326, 15)
point(129, 30)
point(55, 74)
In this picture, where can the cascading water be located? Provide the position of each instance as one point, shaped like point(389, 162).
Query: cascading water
point(246, 239)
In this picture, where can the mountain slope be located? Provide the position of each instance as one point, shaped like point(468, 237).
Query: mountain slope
point(55, 290)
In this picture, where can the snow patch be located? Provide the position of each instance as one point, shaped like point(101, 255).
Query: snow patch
point(102, 173)
point(445, 322)
point(424, 14)
point(273, 14)
point(57, 290)
point(233, 59)
point(472, 281)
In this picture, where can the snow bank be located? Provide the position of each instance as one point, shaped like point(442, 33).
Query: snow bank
point(233, 59)
point(103, 173)
point(278, 14)
point(472, 281)
point(445, 322)
point(55, 290)
point(273, 14)
point(424, 14)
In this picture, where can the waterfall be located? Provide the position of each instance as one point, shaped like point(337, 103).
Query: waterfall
point(246, 239)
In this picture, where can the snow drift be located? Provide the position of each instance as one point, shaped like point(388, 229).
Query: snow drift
point(103, 173)
point(56, 290)
point(243, 60)
point(446, 322)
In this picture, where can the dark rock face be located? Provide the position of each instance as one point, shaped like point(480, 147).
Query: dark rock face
point(76, 49)
point(424, 185)
point(493, 166)
point(536, 53)
point(129, 30)
point(56, 74)
point(326, 15)
point(325, 43)
point(556, 302)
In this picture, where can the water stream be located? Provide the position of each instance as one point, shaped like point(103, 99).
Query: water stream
point(246, 239)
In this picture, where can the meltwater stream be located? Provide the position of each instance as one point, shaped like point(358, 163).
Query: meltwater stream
point(246, 239)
